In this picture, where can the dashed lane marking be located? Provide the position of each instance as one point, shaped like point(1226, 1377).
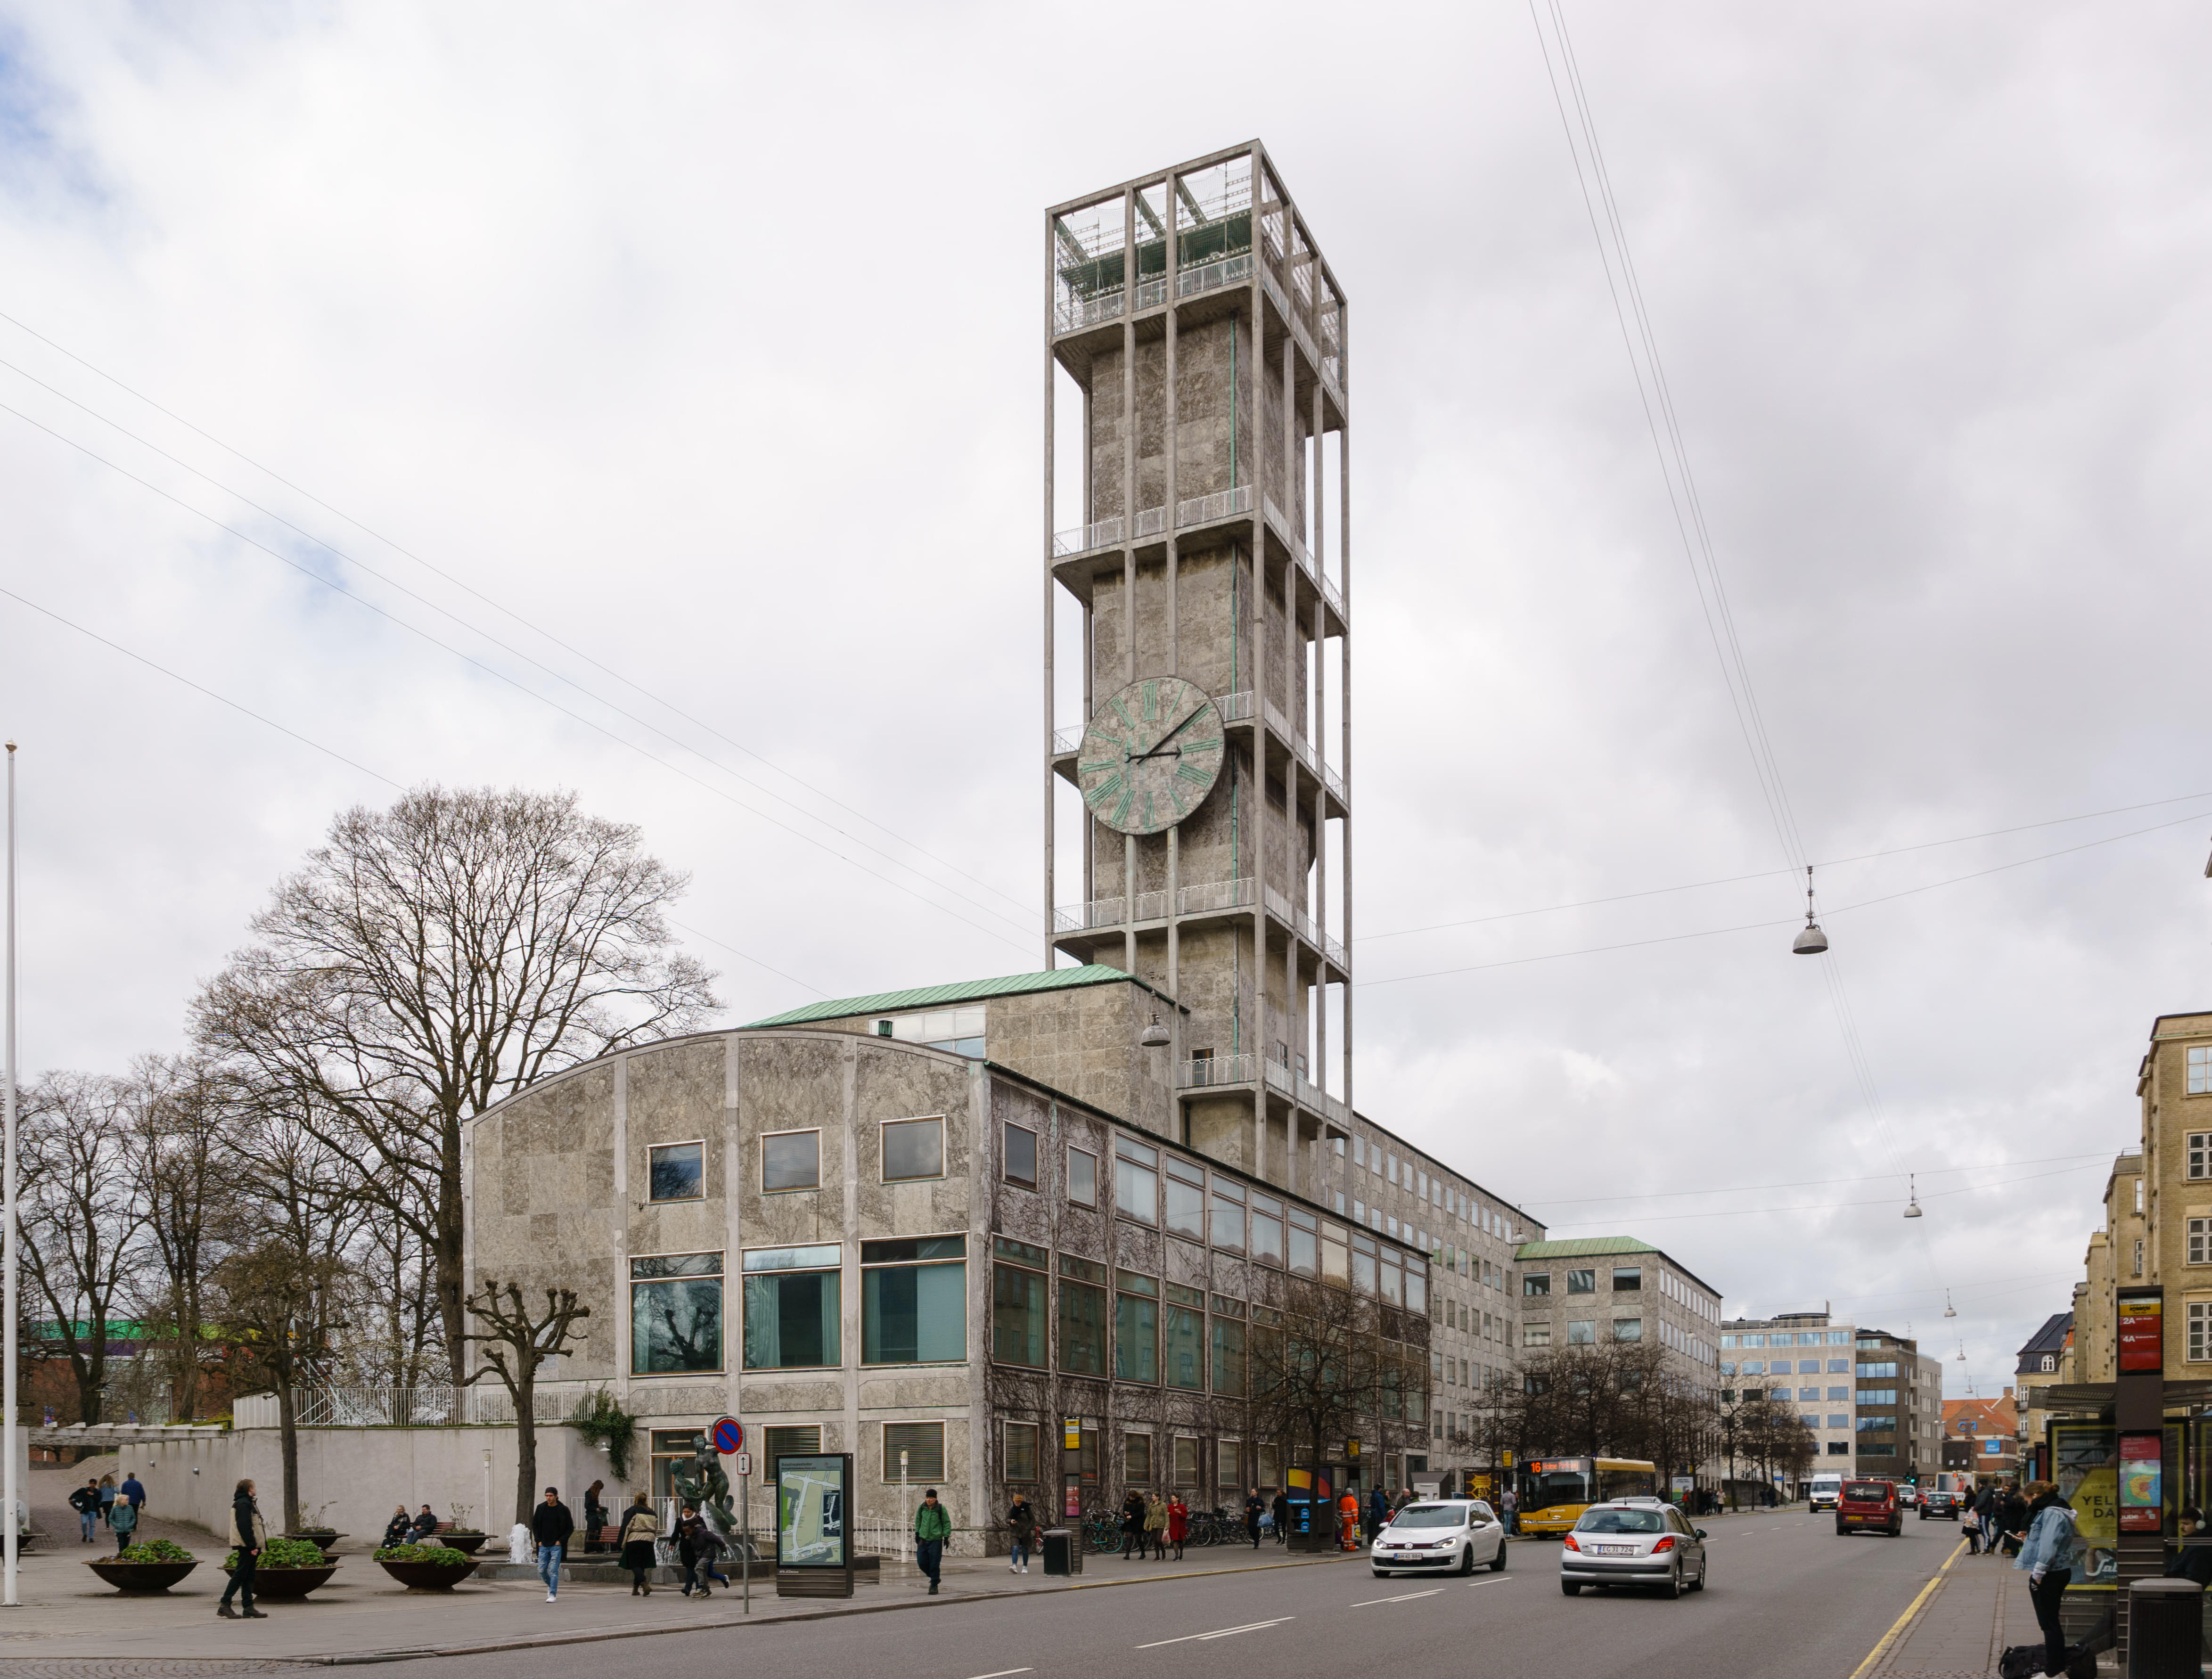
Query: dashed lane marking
point(1006, 1673)
point(1402, 1597)
point(1224, 1632)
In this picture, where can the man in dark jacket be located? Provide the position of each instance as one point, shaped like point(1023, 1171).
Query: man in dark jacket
point(550, 1525)
point(1133, 1526)
point(2012, 1521)
point(1282, 1514)
point(1378, 1513)
point(424, 1531)
point(1021, 1518)
point(86, 1502)
point(248, 1533)
point(1254, 1509)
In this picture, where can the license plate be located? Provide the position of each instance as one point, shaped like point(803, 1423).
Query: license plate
point(1614, 1550)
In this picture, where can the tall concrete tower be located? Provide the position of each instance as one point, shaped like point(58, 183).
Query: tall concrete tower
point(1195, 342)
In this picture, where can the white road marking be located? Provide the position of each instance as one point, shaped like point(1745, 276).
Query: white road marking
point(1404, 1597)
point(1224, 1631)
point(1006, 1673)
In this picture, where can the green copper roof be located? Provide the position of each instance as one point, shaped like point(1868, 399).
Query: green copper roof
point(936, 996)
point(1583, 1247)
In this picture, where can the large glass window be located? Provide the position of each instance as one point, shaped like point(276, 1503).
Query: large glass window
point(1082, 1177)
point(1362, 1264)
point(1227, 1224)
point(1021, 1453)
point(1136, 1180)
point(677, 1172)
point(913, 1300)
point(913, 1451)
point(1417, 1287)
point(1137, 1459)
point(1393, 1287)
point(1266, 1228)
point(1185, 1200)
point(1582, 1331)
point(1021, 1153)
point(1082, 1316)
point(1136, 1329)
point(1540, 1282)
point(1018, 1303)
point(1627, 1279)
point(791, 1161)
point(1228, 1354)
point(1182, 1339)
point(1304, 1243)
point(1628, 1328)
point(1582, 1283)
point(792, 1298)
point(913, 1149)
point(1336, 1255)
point(676, 1313)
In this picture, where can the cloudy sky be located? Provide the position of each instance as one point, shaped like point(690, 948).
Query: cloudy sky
point(667, 381)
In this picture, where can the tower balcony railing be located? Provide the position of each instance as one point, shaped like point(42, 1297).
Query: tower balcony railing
point(1205, 1072)
point(1235, 270)
point(1151, 294)
point(1081, 917)
point(1152, 521)
point(1235, 708)
point(1082, 538)
point(1212, 897)
point(1329, 592)
point(1296, 916)
point(1200, 510)
point(1312, 1096)
point(1290, 538)
point(1073, 313)
point(1066, 740)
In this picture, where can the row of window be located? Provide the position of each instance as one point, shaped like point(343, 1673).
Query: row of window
point(1141, 1465)
point(1627, 1280)
point(1582, 1331)
point(1782, 1338)
point(913, 1307)
point(912, 1149)
point(1781, 1367)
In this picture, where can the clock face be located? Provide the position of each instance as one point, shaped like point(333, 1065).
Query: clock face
point(1151, 756)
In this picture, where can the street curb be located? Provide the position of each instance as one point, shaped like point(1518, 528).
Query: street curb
point(367, 1657)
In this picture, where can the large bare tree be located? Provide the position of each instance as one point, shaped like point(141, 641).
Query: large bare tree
point(183, 1118)
point(516, 1341)
point(431, 959)
point(82, 1221)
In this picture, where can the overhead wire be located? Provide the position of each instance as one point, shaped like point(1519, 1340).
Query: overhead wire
point(1811, 1182)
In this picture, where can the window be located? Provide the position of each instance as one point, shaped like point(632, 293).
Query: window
point(1182, 1339)
point(1136, 1329)
point(2139, 1194)
point(2200, 1331)
point(1018, 1303)
point(1228, 1351)
point(1839, 1366)
point(1754, 1366)
point(1839, 1448)
point(1082, 1316)
point(1839, 1337)
point(1304, 1245)
point(1226, 1229)
point(1362, 1264)
point(1336, 1255)
point(1392, 1285)
point(1877, 1425)
point(2200, 1154)
point(1136, 1180)
point(923, 1444)
point(1728, 1340)
point(1839, 1420)
point(793, 1298)
point(1186, 1461)
point(1137, 1458)
point(791, 1161)
point(1533, 1283)
point(1582, 1331)
point(804, 1441)
point(1082, 1177)
point(1021, 1156)
point(1806, 1396)
point(1627, 1279)
point(675, 1313)
point(1887, 1368)
point(1021, 1450)
point(1228, 1465)
point(1835, 1393)
point(1421, 1185)
point(2198, 1229)
point(1877, 1396)
point(1185, 1200)
point(913, 1149)
point(677, 1172)
point(1582, 1283)
point(1417, 1287)
point(2199, 1082)
point(1535, 1334)
point(1808, 1366)
point(1628, 1328)
point(1268, 1229)
point(913, 1300)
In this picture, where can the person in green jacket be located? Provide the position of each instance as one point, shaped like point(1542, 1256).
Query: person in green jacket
point(932, 1526)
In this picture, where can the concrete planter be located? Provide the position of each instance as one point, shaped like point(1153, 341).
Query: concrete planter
point(324, 1540)
point(429, 1576)
point(140, 1576)
point(466, 1543)
point(283, 1585)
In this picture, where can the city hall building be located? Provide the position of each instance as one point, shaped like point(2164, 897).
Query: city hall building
point(937, 1228)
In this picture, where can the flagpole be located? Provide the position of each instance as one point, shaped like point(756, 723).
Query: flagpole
point(12, 1492)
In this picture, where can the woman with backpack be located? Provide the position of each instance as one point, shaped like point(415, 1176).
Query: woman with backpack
point(2047, 1554)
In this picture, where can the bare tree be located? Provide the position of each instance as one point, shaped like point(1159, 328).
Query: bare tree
point(183, 1117)
point(1320, 1372)
point(276, 1303)
point(515, 1344)
point(81, 1220)
point(432, 957)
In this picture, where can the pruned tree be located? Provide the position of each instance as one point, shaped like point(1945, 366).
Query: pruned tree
point(430, 958)
point(82, 1221)
point(515, 1343)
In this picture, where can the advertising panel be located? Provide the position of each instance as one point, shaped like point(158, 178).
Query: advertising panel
point(2142, 1499)
point(2142, 1333)
point(2085, 1460)
point(812, 1497)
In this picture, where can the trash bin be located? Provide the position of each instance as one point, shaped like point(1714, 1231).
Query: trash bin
point(1064, 1555)
point(2166, 1628)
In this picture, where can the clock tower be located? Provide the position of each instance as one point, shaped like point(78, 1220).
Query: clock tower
point(1198, 812)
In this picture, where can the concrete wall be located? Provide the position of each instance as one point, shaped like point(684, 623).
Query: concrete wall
point(356, 1476)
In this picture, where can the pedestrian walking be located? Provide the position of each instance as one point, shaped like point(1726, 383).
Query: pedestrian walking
point(86, 1502)
point(1511, 1502)
point(640, 1528)
point(2013, 1517)
point(1022, 1518)
point(1178, 1522)
point(550, 1525)
point(1133, 1526)
point(248, 1533)
point(1255, 1508)
point(595, 1516)
point(123, 1521)
point(1156, 1527)
point(132, 1490)
point(397, 1529)
point(1281, 1511)
point(932, 1526)
point(1378, 1512)
point(2047, 1554)
point(107, 1496)
point(697, 1545)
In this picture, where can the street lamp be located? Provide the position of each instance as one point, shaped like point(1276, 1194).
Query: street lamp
point(1811, 941)
point(1156, 1035)
point(1912, 1211)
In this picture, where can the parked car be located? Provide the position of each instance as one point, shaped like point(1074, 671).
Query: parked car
point(1870, 1506)
point(1633, 1542)
point(1438, 1534)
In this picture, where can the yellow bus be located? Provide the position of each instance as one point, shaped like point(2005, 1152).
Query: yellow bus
point(1555, 1491)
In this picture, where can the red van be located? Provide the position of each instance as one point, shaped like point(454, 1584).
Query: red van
point(1870, 1507)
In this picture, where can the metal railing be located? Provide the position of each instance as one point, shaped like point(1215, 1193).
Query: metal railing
point(1205, 1072)
point(1082, 538)
point(1066, 740)
point(1290, 538)
point(1081, 917)
point(1198, 510)
point(1152, 521)
point(435, 1407)
point(1235, 270)
point(1151, 294)
point(1212, 895)
point(1075, 313)
point(1235, 708)
point(1329, 592)
point(1151, 907)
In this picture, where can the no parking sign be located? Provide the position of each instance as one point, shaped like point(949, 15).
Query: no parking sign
point(729, 1436)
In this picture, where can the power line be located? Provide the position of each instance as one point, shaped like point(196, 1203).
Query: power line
point(1809, 1183)
point(496, 605)
point(317, 746)
point(1812, 1206)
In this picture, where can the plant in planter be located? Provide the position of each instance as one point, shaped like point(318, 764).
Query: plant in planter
point(287, 1568)
point(156, 1565)
point(314, 1530)
point(425, 1568)
point(461, 1536)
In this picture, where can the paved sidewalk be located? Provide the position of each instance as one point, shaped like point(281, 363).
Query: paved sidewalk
point(362, 1615)
point(1977, 1606)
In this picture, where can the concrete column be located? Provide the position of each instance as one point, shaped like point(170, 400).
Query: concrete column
point(1128, 538)
point(1050, 797)
point(1170, 398)
point(1344, 679)
point(622, 1238)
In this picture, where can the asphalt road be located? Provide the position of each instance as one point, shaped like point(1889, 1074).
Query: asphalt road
point(1789, 1599)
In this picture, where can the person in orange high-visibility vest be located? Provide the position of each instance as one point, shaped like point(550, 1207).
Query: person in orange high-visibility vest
point(1347, 1521)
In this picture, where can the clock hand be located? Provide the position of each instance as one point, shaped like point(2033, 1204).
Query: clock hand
point(1157, 746)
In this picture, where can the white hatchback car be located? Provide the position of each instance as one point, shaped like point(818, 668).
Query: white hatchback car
point(1440, 1535)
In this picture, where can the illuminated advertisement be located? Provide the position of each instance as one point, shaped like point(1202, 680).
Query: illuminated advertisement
point(2085, 1462)
point(2141, 1481)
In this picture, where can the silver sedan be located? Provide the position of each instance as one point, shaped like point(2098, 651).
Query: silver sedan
point(1633, 1541)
